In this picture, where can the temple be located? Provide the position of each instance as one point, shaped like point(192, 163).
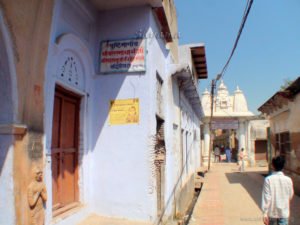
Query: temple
point(233, 125)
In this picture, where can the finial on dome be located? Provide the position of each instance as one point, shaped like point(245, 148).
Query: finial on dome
point(205, 92)
point(222, 85)
point(238, 90)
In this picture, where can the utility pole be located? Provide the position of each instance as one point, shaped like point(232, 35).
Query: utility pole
point(212, 92)
point(269, 149)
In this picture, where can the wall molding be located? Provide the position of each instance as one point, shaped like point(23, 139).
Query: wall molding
point(12, 129)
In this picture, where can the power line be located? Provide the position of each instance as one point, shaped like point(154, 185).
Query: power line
point(221, 75)
point(244, 19)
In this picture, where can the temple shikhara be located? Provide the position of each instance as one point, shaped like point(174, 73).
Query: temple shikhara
point(233, 125)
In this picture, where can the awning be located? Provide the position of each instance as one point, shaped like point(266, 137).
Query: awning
point(165, 28)
point(194, 55)
point(281, 98)
point(199, 59)
point(187, 84)
point(103, 5)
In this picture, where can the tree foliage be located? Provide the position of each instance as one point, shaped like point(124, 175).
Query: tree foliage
point(286, 83)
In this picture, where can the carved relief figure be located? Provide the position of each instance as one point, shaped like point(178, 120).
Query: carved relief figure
point(37, 196)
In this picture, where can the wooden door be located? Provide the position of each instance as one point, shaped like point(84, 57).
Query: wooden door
point(261, 147)
point(65, 148)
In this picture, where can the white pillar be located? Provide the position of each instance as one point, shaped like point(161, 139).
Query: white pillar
point(242, 135)
point(206, 142)
point(250, 145)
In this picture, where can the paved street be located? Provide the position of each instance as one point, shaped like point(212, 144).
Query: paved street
point(98, 220)
point(227, 198)
point(232, 198)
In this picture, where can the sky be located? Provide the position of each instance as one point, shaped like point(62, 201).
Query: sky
point(268, 52)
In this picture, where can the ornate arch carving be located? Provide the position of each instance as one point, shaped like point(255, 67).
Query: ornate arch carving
point(72, 61)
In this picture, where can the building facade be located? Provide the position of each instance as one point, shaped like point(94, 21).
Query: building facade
point(232, 125)
point(97, 95)
point(283, 110)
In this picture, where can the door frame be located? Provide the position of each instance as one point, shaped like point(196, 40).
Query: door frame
point(60, 90)
point(83, 147)
point(72, 44)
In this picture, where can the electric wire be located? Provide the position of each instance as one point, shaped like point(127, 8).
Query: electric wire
point(221, 75)
point(244, 19)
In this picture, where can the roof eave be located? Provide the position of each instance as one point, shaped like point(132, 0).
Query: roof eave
point(185, 78)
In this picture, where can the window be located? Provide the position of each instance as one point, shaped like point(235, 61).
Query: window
point(283, 144)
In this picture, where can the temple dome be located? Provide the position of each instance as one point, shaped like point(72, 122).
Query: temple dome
point(225, 105)
point(239, 101)
point(222, 89)
point(205, 92)
point(222, 86)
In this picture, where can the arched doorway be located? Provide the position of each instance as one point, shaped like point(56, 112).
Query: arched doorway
point(69, 69)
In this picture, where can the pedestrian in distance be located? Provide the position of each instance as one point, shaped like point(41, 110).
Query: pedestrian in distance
point(217, 153)
point(222, 150)
point(242, 155)
point(228, 153)
point(277, 194)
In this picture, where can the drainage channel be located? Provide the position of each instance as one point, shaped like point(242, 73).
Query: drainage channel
point(192, 206)
point(189, 212)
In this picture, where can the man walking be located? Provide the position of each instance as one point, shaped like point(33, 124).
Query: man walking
point(242, 155)
point(276, 196)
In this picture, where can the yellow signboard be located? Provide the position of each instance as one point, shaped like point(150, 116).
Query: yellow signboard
point(124, 111)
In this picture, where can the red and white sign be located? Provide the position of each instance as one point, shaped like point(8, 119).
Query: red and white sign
point(123, 56)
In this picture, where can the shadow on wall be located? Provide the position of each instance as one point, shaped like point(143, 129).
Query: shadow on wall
point(5, 144)
point(109, 88)
point(6, 97)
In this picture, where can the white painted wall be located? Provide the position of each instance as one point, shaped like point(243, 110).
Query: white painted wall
point(7, 202)
point(191, 123)
point(117, 173)
point(124, 153)
point(242, 135)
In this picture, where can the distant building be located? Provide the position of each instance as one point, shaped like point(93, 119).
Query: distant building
point(97, 94)
point(283, 110)
point(234, 124)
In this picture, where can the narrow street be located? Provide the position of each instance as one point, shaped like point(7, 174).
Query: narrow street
point(111, 110)
point(229, 197)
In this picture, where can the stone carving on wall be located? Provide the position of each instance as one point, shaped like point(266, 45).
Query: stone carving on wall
point(35, 145)
point(70, 70)
point(37, 197)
